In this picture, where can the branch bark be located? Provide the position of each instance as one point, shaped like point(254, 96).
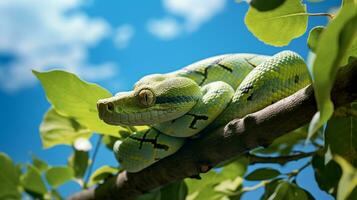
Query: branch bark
point(236, 138)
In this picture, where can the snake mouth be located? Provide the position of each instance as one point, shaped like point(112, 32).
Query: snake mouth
point(108, 115)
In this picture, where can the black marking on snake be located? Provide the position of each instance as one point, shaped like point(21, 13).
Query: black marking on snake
point(144, 137)
point(248, 61)
point(225, 67)
point(253, 56)
point(152, 141)
point(195, 119)
point(215, 62)
point(250, 97)
point(296, 79)
point(205, 74)
point(246, 88)
point(174, 99)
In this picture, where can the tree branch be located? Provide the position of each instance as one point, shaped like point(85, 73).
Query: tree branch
point(253, 159)
point(236, 138)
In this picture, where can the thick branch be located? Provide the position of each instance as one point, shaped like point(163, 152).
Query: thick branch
point(238, 137)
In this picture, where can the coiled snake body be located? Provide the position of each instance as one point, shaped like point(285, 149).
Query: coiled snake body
point(210, 93)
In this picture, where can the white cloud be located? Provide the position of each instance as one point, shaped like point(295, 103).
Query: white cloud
point(46, 34)
point(123, 36)
point(166, 28)
point(194, 13)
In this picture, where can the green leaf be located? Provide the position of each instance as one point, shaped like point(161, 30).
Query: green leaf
point(349, 110)
point(348, 40)
point(279, 26)
point(313, 37)
point(56, 195)
point(236, 168)
point(333, 43)
point(348, 180)
point(270, 188)
point(284, 144)
point(57, 176)
point(32, 182)
point(326, 175)
point(154, 195)
point(286, 190)
point(344, 2)
point(353, 194)
point(174, 191)
point(341, 137)
point(73, 97)
point(110, 140)
point(262, 174)
point(79, 162)
point(57, 129)
point(229, 186)
point(101, 174)
point(205, 188)
point(281, 191)
point(265, 5)
point(39, 164)
point(9, 178)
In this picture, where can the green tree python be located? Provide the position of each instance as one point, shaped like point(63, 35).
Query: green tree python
point(205, 94)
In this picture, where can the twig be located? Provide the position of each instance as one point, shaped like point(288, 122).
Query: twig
point(253, 159)
point(94, 156)
point(292, 175)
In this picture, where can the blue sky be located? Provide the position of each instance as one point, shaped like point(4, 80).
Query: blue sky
point(112, 43)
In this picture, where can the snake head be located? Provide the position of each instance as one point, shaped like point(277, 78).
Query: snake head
point(155, 99)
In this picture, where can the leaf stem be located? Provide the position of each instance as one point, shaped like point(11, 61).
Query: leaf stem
point(294, 173)
point(321, 14)
point(252, 188)
point(255, 187)
point(94, 156)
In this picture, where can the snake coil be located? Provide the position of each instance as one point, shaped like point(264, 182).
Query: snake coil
point(205, 94)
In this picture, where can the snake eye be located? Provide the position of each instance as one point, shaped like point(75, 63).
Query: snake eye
point(146, 97)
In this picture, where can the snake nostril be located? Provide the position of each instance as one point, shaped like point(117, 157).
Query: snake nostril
point(99, 106)
point(110, 106)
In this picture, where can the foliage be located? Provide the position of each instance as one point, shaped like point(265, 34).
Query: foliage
point(332, 52)
point(72, 120)
point(72, 97)
point(57, 129)
point(348, 180)
point(102, 174)
point(262, 174)
point(57, 176)
point(284, 23)
point(9, 178)
point(285, 190)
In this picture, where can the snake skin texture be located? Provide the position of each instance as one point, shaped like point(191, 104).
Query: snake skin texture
point(204, 95)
